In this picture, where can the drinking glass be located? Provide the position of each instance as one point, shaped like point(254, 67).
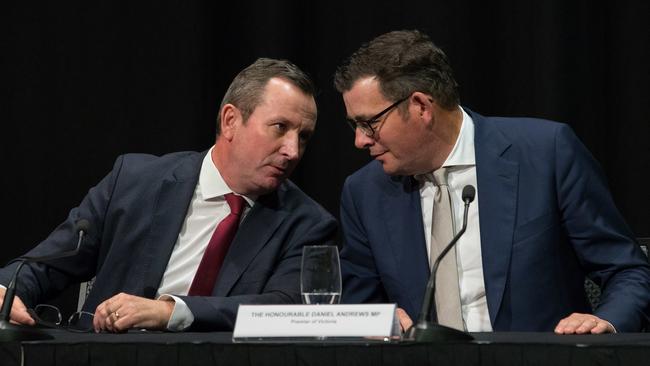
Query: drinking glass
point(320, 274)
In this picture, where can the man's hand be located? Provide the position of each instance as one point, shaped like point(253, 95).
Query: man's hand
point(578, 323)
point(404, 320)
point(19, 313)
point(123, 311)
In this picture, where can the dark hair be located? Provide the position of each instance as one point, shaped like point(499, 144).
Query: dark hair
point(246, 90)
point(403, 62)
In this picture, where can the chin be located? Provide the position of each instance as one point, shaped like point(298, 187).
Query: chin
point(390, 170)
point(268, 185)
point(393, 170)
point(389, 165)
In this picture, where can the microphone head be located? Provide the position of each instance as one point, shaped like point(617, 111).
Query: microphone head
point(82, 225)
point(468, 193)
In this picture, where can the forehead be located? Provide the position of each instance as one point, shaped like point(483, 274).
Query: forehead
point(364, 99)
point(282, 99)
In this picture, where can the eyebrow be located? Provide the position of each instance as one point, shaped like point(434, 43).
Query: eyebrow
point(361, 118)
point(366, 118)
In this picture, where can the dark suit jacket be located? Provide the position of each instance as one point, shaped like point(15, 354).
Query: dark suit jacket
point(136, 213)
point(547, 220)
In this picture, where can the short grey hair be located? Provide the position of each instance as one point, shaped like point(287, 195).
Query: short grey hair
point(246, 90)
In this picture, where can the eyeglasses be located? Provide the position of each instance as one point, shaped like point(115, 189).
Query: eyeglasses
point(366, 126)
point(49, 316)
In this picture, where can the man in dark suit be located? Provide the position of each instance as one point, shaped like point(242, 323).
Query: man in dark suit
point(543, 218)
point(152, 218)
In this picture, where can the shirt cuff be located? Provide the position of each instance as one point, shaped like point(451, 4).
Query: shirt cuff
point(182, 316)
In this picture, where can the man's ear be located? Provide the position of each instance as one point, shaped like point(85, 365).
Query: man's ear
point(231, 117)
point(422, 105)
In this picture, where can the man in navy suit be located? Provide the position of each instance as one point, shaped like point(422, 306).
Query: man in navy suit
point(543, 218)
point(152, 217)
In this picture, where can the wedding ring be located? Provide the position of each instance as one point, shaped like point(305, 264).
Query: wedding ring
point(117, 315)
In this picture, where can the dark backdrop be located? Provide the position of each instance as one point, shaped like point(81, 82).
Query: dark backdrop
point(83, 82)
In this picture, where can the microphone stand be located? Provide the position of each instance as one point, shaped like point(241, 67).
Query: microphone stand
point(425, 329)
point(15, 332)
point(10, 332)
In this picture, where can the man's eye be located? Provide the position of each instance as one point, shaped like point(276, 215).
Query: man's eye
point(305, 136)
point(281, 127)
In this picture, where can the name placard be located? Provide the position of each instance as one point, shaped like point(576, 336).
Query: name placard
point(257, 322)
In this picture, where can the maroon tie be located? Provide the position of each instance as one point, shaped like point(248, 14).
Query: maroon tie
point(206, 275)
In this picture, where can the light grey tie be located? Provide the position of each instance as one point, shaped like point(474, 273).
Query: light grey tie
point(442, 231)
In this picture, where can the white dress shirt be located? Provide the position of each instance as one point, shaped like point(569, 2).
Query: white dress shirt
point(207, 208)
point(461, 164)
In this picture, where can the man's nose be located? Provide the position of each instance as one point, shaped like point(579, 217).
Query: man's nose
point(361, 140)
point(291, 147)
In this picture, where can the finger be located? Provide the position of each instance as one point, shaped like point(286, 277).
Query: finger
point(19, 313)
point(107, 324)
point(577, 324)
point(99, 317)
point(131, 315)
point(102, 316)
point(112, 311)
point(99, 322)
point(602, 327)
point(21, 316)
point(112, 319)
point(586, 326)
point(568, 325)
point(106, 308)
point(404, 320)
point(123, 323)
point(562, 326)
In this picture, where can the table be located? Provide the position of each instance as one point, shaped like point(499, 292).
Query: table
point(157, 348)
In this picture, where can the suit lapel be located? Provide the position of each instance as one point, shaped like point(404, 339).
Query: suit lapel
point(497, 180)
point(253, 234)
point(402, 214)
point(171, 208)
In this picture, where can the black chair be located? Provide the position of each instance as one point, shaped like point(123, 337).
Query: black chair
point(84, 290)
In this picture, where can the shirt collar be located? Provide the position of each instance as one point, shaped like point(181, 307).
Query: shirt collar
point(211, 183)
point(463, 152)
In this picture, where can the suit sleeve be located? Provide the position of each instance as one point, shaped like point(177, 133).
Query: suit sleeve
point(603, 242)
point(38, 282)
point(361, 280)
point(282, 287)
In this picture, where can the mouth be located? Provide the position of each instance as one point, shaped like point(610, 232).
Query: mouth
point(279, 170)
point(375, 156)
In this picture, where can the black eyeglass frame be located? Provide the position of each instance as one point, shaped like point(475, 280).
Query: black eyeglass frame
point(72, 323)
point(366, 126)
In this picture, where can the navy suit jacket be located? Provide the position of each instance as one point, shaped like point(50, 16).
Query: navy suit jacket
point(136, 213)
point(546, 219)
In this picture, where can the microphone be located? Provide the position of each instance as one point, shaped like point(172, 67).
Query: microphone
point(425, 329)
point(11, 332)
